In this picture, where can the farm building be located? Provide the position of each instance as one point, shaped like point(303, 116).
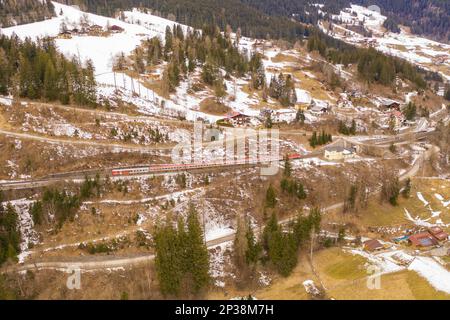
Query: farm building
point(423, 240)
point(116, 29)
point(237, 119)
point(389, 104)
point(439, 234)
point(338, 153)
point(284, 115)
point(373, 245)
point(318, 108)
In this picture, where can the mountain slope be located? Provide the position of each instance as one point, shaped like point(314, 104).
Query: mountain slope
point(253, 22)
point(425, 17)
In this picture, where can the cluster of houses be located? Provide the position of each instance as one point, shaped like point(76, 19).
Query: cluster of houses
point(86, 29)
point(434, 236)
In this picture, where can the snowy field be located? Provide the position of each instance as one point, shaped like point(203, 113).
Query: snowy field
point(398, 260)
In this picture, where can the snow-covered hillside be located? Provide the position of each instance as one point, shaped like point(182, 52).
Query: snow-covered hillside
point(429, 54)
point(99, 49)
point(102, 49)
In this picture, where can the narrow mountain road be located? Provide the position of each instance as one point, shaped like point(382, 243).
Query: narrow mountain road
point(110, 145)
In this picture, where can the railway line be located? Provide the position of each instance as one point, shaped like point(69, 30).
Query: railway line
point(97, 264)
point(170, 168)
point(152, 170)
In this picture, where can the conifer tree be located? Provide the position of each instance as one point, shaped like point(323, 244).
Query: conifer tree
point(287, 167)
point(168, 43)
point(271, 197)
point(198, 258)
point(240, 245)
point(9, 233)
point(219, 90)
point(167, 260)
point(253, 247)
point(406, 192)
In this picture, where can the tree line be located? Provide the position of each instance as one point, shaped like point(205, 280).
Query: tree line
point(9, 232)
point(277, 248)
point(424, 17)
point(36, 70)
point(236, 13)
point(13, 12)
point(373, 66)
point(184, 51)
point(182, 261)
point(319, 139)
point(58, 206)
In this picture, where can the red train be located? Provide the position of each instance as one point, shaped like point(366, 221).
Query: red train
point(173, 167)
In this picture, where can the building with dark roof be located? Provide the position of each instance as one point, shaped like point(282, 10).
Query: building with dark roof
point(423, 240)
point(439, 234)
point(373, 245)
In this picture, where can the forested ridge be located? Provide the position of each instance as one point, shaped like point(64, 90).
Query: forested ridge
point(373, 66)
point(197, 13)
point(272, 19)
point(425, 17)
point(15, 12)
point(259, 18)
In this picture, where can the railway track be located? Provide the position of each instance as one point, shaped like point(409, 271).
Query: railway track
point(135, 171)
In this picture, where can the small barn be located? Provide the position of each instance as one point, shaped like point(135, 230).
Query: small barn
point(318, 107)
point(423, 240)
point(439, 234)
point(391, 105)
point(373, 245)
point(237, 119)
point(116, 28)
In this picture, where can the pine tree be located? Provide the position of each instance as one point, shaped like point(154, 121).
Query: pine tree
point(167, 260)
point(240, 246)
point(287, 167)
point(209, 73)
point(37, 213)
point(281, 247)
point(288, 256)
point(313, 140)
point(315, 217)
point(271, 197)
point(253, 247)
point(219, 90)
point(9, 234)
point(270, 228)
point(406, 192)
point(350, 203)
point(353, 127)
point(268, 123)
point(198, 258)
point(50, 82)
point(302, 229)
point(4, 72)
point(168, 43)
